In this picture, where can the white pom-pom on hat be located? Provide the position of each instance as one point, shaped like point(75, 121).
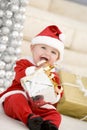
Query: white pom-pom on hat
point(62, 37)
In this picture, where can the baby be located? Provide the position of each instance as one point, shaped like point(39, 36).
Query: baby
point(32, 103)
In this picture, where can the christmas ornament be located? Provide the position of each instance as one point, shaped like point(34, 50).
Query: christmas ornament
point(12, 16)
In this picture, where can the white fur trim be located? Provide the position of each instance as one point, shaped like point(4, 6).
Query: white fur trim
point(48, 106)
point(53, 42)
point(62, 37)
point(11, 93)
point(30, 70)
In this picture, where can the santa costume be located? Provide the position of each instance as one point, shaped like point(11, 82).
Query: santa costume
point(14, 99)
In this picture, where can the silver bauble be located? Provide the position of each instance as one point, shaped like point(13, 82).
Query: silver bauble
point(13, 58)
point(19, 43)
point(8, 75)
point(1, 83)
point(8, 66)
point(23, 18)
point(5, 30)
point(15, 1)
point(2, 73)
point(24, 2)
point(4, 39)
point(0, 22)
point(8, 23)
point(2, 88)
point(14, 43)
point(11, 25)
point(14, 8)
point(17, 51)
point(7, 83)
point(18, 17)
point(2, 65)
point(3, 4)
point(14, 34)
point(1, 13)
point(8, 14)
point(2, 47)
point(10, 50)
point(22, 9)
point(21, 35)
point(17, 27)
point(7, 58)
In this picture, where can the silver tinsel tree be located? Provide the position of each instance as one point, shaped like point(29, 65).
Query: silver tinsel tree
point(12, 16)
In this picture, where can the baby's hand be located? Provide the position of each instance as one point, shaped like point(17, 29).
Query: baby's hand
point(40, 64)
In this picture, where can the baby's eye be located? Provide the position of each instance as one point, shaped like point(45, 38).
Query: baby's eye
point(43, 47)
point(53, 52)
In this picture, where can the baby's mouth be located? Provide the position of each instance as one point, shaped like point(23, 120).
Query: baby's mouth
point(44, 58)
point(42, 61)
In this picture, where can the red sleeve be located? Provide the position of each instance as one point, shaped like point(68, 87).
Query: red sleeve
point(20, 68)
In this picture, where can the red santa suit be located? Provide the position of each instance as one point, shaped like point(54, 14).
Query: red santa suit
point(18, 106)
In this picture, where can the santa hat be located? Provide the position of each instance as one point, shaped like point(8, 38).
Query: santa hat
point(51, 36)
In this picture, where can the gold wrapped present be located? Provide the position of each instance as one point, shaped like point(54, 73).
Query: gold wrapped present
point(74, 101)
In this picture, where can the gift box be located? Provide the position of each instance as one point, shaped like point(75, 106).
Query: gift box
point(39, 84)
point(74, 100)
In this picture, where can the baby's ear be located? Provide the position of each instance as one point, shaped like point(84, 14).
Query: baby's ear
point(31, 47)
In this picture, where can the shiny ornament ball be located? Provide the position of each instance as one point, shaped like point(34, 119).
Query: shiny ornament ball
point(7, 83)
point(0, 22)
point(14, 34)
point(14, 42)
point(10, 50)
point(18, 17)
point(5, 30)
point(17, 27)
point(4, 39)
point(2, 47)
point(19, 43)
point(2, 73)
point(8, 75)
point(11, 25)
point(17, 51)
point(13, 58)
point(7, 58)
point(14, 8)
point(1, 83)
point(24, 2)
point(22, 9)
point(8, 66)
point(8, 23)
point(2, 65)
point(8, 14)
point(1, 13)
point(3, 4)
point(15, 1)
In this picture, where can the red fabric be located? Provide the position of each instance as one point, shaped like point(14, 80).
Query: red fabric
point(51, 31)
point(19, 69)
point(17, 106)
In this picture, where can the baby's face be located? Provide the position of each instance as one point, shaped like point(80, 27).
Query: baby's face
point(44, 52)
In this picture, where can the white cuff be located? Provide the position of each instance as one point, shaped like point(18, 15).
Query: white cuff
point(30, 70)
